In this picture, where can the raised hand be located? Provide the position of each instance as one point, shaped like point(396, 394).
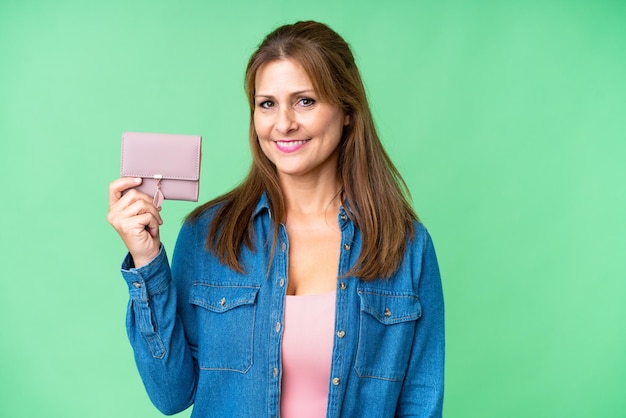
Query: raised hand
point(135, 218)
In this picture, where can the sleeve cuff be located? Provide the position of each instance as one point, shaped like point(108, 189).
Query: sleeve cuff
point(149, 279)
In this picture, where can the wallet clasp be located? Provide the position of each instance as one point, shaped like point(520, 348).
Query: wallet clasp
point(158, 198)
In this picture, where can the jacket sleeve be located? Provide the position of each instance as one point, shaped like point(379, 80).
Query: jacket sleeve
point(156, 333)
point(422, 391)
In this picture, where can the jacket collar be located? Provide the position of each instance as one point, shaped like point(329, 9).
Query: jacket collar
point(262, 204)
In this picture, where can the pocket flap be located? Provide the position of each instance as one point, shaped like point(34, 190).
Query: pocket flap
point(222, 297)
point(390, 307)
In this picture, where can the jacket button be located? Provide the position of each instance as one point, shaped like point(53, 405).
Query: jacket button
point(342, 286)
point(341, 333)
point(278, 327)
point(223, 301)
point(346, 246)
point(387, 312)
point(344, 217)
point(336, 381)
point(137, 285)
point(283, 246)
point(281, 282)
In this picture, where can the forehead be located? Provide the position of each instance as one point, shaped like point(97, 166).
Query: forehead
point(284, 74)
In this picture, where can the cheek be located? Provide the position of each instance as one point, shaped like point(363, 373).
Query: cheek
point(260, 127)
point(255, 123)
point(265, 150)
point(263, 143)
point(337, 128)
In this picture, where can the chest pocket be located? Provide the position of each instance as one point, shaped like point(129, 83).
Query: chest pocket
point(386, 333)
point(225, 324)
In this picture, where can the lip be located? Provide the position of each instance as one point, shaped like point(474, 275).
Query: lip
point(290, 145)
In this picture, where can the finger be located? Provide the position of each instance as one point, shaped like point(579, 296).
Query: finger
point(123, 214)
point(130, 196)
point(153, 227)
point(139, 233)
point(118, 186)
point(139, 207)
point(146, 222)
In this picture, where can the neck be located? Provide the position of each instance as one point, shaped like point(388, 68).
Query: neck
point(318, 196)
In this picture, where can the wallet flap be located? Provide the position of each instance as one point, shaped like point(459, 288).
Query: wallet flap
point(171, 156)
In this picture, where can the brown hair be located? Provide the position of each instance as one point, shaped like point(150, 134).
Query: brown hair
point(373, 189)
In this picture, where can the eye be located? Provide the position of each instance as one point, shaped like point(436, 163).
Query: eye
point(306, 101)
point(266, 104)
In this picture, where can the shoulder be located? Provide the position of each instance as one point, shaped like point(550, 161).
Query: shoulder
point(203, 214)
point(421, 237)
point(225, 205)
point(196, 224)
point(201, 219)
point(420, 251)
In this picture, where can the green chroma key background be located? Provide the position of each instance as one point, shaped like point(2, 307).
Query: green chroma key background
point(507, 120)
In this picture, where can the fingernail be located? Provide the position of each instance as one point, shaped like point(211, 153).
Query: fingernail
point(137, 180)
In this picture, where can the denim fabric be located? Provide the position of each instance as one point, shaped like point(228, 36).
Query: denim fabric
point(206, 335)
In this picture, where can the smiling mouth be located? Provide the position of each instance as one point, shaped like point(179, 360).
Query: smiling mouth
point(291, 145)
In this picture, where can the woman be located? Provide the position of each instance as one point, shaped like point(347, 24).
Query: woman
point(309, 290)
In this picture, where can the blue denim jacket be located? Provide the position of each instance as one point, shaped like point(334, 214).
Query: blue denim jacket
point(206, 335)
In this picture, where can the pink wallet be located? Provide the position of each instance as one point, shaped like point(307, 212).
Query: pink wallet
point(168, 164)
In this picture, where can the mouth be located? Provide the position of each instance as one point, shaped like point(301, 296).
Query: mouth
point(290, 145)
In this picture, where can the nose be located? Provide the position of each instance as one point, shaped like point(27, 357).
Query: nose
point(286, 120)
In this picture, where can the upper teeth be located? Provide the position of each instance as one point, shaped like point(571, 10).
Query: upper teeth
point(290, 143)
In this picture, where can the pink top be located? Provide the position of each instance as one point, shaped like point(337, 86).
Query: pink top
point(307, 351)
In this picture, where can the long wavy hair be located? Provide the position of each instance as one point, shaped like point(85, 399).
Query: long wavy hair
point(373, 191)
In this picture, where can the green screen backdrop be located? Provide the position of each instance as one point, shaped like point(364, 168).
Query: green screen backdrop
point(507, 120)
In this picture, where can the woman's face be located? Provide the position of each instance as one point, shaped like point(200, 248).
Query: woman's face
point(297, 131)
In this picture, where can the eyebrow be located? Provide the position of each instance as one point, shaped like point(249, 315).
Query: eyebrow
point(295, 93)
